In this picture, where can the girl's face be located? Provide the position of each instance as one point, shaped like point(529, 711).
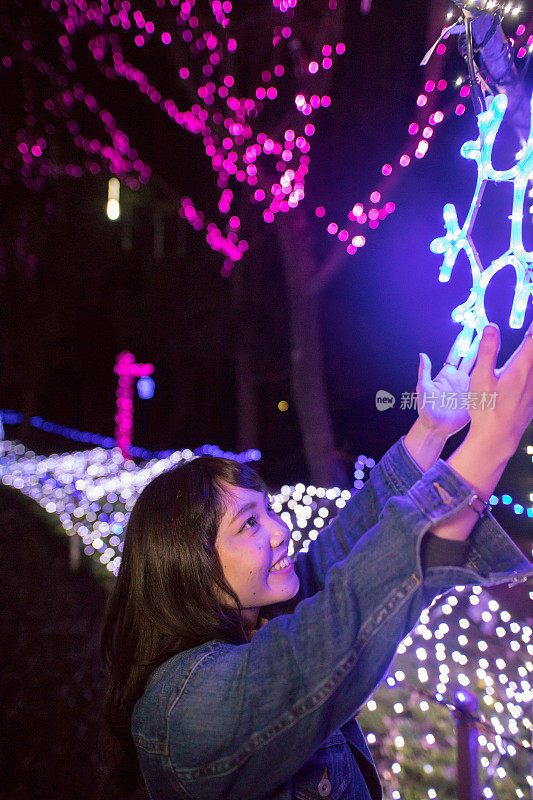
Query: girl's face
point(251, 539)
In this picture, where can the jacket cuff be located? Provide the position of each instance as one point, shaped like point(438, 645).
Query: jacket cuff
point(440, 492)
point(493, 558)
point(400, 468)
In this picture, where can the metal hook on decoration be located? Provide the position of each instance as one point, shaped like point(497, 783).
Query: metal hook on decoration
point(472, 10)
point(478, 98)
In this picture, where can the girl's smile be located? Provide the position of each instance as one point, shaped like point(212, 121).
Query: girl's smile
point(282, 565)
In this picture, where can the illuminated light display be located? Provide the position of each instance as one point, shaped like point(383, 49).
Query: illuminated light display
point(427, 126)
point(227, 123)
point(482, 649)
point(229, 245)
point(127, 370)
point(11, 417)
point(466, 639)
point(145, 387)
point(113, 199)
point(93, 491)
point(224, 120)
point(471, 314)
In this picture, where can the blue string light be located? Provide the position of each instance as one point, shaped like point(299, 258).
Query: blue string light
point(471, 314)
point(10, 417)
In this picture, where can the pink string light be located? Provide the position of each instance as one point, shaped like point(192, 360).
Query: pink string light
point(417, 149)
point(127, 370)
point(225, 121)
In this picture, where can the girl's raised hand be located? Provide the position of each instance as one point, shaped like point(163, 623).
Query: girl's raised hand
point(496, 427)
point(501, 423)
point(443, 401)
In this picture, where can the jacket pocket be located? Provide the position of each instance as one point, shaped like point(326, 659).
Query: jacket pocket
point(326, 774)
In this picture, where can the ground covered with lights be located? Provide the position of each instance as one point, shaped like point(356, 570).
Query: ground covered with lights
point(467, 639)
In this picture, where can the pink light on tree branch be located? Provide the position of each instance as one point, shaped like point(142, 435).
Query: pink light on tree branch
point(127, 370)
point(268, 167)
point(213, 98)
point(220, 95)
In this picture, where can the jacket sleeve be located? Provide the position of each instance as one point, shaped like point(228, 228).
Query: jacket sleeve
point(392, 476)
point(261, 709)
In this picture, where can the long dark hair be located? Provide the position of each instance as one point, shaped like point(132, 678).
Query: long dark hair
point(167, 595)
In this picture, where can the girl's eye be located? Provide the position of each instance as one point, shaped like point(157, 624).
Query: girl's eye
point(251, 522)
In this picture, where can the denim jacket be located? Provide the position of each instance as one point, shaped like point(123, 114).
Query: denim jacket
point(274, 718)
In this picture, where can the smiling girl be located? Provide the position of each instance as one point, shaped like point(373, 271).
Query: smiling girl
point(236, 673)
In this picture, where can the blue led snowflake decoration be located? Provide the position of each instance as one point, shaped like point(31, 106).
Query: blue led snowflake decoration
point(471, 313)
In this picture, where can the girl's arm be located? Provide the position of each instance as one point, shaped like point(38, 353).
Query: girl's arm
point(442, 412)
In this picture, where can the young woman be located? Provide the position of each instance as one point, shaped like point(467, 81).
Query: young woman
point(235, 673)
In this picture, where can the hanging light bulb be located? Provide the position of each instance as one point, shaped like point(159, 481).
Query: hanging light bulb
point(113, 198)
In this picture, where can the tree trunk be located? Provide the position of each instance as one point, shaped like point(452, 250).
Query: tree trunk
point(247, 421)
point(307, 377)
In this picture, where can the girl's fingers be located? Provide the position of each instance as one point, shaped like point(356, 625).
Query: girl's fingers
point(489, 347)
point(452, 359)
point(424, 369)
point(470, 359)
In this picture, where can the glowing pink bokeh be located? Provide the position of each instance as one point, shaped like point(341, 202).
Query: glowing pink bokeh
point(127, 370)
